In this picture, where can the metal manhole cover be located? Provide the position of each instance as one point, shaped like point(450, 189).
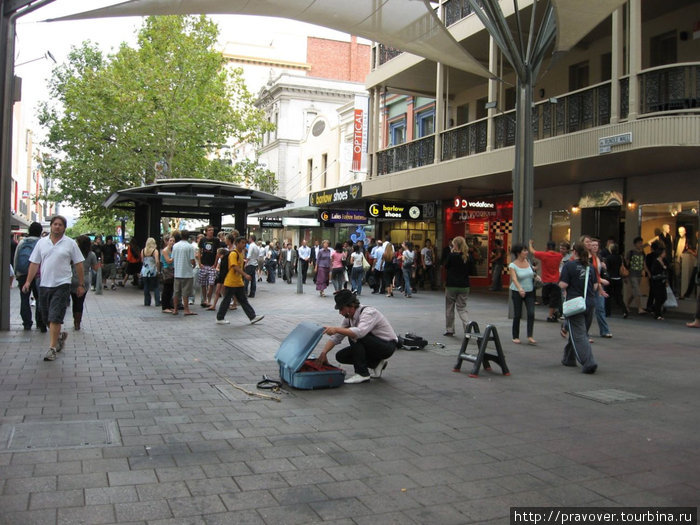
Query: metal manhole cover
point(609, 396)
point(58, 434)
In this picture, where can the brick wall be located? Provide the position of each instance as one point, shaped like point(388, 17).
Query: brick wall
point(337, 60)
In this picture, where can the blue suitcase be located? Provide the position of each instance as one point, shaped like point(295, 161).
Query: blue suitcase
point(296, 369)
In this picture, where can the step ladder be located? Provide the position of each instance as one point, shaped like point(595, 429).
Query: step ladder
point(482, 357)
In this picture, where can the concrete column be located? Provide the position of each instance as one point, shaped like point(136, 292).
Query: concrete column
point(618, 44)
point(492, 93)
point(439, 111)
point(410, 119)
point(634, 48)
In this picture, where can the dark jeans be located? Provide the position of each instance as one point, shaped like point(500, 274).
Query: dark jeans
point(497, 275)
point(150, 284)
point(366, 352)
point(658, 291)
point(518, 301)
point(615, 294)
point(271, 271)
point(25, 309)
point(250, 270)
point(239, 293)
point(166, 298)
point(304, 270)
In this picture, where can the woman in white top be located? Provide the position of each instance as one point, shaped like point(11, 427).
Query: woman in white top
point(149, 271)
point(357, 274)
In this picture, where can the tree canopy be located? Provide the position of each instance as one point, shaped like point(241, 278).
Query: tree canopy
point(167, 108)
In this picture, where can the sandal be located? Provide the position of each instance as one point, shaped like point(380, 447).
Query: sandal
point(516, 341)
point(531, 341)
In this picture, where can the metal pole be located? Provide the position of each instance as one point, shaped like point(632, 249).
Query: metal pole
point(300, 277)
point(523, 171)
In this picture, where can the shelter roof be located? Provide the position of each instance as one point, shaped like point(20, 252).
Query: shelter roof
point(195, 197)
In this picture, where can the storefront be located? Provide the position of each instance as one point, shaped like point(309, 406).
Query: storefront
point(404, 221)
point(480, 222)
point(676, 225)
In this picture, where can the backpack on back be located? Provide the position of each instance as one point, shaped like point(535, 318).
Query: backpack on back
point(23, 252)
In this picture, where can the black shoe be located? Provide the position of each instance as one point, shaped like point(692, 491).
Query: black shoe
point(552, 319)
point(43, 329)
point(590, 369)
point(27, 327)
point(567, 363)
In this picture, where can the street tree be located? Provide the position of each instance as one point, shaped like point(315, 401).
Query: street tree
point(162, 109)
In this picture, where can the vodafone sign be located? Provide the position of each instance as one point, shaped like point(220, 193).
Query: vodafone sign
point(463, 204)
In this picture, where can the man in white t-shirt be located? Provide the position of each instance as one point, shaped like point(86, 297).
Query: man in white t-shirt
point(55, 255)
point(251, 266)
point(183, 263)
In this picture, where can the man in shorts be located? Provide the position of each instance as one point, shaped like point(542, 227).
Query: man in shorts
point(208, 247)
point(55, 255)
point(183, 265)
point(109, 262)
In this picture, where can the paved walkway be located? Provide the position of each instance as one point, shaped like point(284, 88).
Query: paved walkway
point(170, 441)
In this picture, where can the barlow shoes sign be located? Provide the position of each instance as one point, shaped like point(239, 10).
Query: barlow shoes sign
point(335, 195)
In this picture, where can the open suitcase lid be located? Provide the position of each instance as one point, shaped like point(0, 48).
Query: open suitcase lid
point(298, 345)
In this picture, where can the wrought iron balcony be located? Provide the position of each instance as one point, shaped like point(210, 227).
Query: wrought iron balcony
point(406, 156)
point(387, 53)
point(464, 140)
point(670, 88)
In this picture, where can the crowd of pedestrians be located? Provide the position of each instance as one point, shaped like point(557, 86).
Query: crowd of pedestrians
point(224, 269)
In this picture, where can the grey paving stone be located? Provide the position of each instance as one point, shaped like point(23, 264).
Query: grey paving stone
point(289, 515)
point(54, 469)
point(271, 480)
point(251, 499)
point(204, 487)
point(105, 465)
point(31, 517)
point(142, 511)
point(61, 498)
point(132, 477)
point(88, 515)
point(340, 508)
point(244, 517)
point(107, 495)
point(154, 491)
point(13, 503)
point(301, 494)
point(196, 505)
point(24, 485)
point(181, 473)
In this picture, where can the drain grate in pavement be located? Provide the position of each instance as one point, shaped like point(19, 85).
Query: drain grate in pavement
point(58, 434)
point(233, 394)
point(608, 396)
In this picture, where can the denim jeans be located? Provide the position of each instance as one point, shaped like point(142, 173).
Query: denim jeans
point(356, 276)
point(25, 309)
point(239, 293)
point(600, 315)
point(518, 301)
point(250, 270)
point(407, 280)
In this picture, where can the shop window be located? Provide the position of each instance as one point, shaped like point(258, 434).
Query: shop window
point(309, 173)
point(425, 123)
point(324, 170)
point(663, 49)
point(397, 132)
point(578, 76)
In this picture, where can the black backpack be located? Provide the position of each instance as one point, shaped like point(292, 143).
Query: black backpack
point(411, 341)
point(24, 250)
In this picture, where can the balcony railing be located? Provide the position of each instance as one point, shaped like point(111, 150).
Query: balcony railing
point(387, 53)
point(455, 10)
point(406, 156)
point(464, 140)
point(670, 88)
point(666, 89)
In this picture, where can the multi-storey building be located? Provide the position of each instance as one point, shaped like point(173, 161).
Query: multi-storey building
point(311, 148)
point(616, 126)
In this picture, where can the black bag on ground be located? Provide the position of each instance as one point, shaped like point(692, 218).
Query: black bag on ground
point(411, 341)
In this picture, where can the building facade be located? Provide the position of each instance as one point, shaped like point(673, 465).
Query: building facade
point(616, 126)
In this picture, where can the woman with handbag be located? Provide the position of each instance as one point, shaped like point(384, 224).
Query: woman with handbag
point(578, 281)
point(168, 275)
point(522, 291)
point(149, 272)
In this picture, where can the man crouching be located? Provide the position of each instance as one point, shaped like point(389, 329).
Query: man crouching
point(372, 339)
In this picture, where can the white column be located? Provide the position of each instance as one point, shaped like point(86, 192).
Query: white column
point(617, 65)
point(374, 131)
point(439, 111)
point(634, 49)
point(492, 93)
